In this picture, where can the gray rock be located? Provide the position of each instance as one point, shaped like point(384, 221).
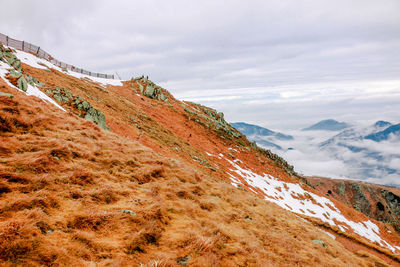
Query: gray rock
point(132, 213)
point(85, 105)
point(140, 87)
point(58, 97)
point(341, 188)
point(6, 95)
point(22, 84)
point(150, 90)
point(14, 73)
point(320, 242)
point(184, 260)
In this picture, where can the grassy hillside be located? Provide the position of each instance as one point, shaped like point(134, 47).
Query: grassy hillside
point(128, 175)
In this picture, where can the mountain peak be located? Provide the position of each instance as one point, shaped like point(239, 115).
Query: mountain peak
point(385, 134)
point(381, 124)
point(327, 125)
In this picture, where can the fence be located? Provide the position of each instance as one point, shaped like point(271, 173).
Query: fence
point(28, 47)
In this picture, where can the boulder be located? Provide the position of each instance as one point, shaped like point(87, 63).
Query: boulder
point(132, 213)
point(140, 87)
point(22, 84)
point(150, 90)
point(6, 95)
point(320, 242)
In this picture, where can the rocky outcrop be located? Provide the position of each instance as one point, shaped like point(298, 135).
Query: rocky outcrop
point(7, 95)
point(149, 88)
point(376, 201)
point(6, 55)
point(211, 119)
point(16, 75)
point(82, 108)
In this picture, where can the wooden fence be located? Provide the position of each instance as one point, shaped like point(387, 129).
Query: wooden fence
point(28, 47)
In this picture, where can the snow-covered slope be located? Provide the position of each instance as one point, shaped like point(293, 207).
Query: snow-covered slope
point(294, 198)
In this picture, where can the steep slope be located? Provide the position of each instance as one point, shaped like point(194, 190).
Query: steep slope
point(155, 182)
point(379, 202)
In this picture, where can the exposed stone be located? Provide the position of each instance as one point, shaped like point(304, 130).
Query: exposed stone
point(140, 87)
point(63, 95)
point(132, 213)
point(6, 95)
point(22, 84)
point(184, 260)
point(14, 73)
point(361, 203)
point(341, 188)
point(150, 91)
point(320, 242)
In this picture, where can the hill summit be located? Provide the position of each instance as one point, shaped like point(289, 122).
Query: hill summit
point(327, 125)
point(104, 172)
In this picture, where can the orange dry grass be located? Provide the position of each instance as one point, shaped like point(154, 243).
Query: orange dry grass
point(64, 183)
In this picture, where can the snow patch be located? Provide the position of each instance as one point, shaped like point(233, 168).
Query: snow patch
point(37, 62)
point(294, 198)
point(31, 90)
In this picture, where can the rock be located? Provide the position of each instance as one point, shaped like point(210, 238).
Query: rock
point(14, 73)
point(320, 242)
point(140, 87)
point(241, 187)
point(12, 60)
point(58, 97)
point(6, 95)
point(97, 117)
point(341, 189)
point(132, 213)
point(22, 84)
point(85, 105)
point(150, 90)
point(361, 202)
point(184, 260)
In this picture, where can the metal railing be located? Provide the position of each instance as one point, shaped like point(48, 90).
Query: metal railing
point(28, 47)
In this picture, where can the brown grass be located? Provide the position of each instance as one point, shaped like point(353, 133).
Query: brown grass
point(64, 182)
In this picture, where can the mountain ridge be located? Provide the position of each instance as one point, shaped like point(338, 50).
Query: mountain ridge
point(327, 125)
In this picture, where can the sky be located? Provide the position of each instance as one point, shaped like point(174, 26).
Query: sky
point(281, 64)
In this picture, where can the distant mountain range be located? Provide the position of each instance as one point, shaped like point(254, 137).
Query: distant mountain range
point(262, 136)
point(393, 130)
point(352, 146)
point(327, 125)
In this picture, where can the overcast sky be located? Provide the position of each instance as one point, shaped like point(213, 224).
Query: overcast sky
point(280, 64)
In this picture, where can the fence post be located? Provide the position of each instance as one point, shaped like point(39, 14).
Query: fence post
point(23, 44)
point(7, 39)
point(38, 50)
